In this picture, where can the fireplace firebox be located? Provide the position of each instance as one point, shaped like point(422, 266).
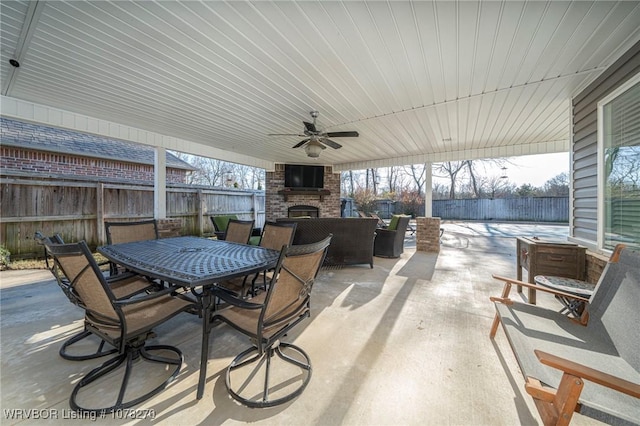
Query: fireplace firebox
point(302, 210)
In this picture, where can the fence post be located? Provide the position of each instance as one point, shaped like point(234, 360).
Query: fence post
point(256, 207)
point(100, 212)
point(201, 209)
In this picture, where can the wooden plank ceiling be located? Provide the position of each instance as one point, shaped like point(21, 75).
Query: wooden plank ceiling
point(420, 81)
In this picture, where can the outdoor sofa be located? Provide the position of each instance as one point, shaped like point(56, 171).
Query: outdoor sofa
point(352, 241)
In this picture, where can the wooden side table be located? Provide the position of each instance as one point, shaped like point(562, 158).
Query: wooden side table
point(545, 257)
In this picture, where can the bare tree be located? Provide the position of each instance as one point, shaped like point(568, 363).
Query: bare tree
point(495, 186)
point(440, 191)
point(246, 177)
point(450, 170)
point(366, 180)
point(209, 171)
point(374, 180)
point(212, 172)
point(417, 173)
point(475, 169)
point(393, 173)
point(557, 186)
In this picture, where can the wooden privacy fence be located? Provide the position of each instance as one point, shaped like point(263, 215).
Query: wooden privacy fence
point(78, 209)
point(526, 209)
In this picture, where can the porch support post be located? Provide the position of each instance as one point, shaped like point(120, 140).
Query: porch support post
point(160, 183)
point(428, 190)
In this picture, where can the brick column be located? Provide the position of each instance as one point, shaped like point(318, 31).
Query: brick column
point(169, 227)
point(428, 234)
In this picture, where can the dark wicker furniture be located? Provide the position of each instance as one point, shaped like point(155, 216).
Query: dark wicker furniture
point(352, 241)
point(197, 263)
point(390, 242)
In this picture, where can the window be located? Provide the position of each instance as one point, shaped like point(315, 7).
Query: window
point(619, 166)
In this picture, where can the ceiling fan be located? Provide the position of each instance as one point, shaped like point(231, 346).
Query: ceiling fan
point(315, 139)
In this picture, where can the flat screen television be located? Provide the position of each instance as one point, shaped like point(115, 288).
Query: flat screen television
point(298, 176)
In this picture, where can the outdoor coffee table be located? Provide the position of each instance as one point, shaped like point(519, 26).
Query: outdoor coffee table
point(196, 263)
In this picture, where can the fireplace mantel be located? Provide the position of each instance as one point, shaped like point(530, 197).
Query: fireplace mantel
point(288, 192)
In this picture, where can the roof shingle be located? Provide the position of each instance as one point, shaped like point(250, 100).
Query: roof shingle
point(52, 139)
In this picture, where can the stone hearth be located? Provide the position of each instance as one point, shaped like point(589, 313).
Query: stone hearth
point(328, 205)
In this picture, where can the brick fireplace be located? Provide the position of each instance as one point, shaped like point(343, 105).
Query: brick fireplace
point(279, 201)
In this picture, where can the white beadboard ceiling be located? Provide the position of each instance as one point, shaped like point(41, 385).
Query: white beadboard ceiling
point(420, 81)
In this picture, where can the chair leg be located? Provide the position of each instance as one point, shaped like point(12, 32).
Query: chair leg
point(129, 358)
point(251, 361)
point(254, 288)
point(100, 352)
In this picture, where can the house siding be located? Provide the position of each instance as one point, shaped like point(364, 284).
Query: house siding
point(584, 226)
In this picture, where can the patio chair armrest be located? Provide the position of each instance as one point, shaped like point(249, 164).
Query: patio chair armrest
point(224, 294)
point(385, 235)
point(588, 373)
point(512, 281)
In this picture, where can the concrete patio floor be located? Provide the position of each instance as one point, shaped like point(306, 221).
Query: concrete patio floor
point(404, 343)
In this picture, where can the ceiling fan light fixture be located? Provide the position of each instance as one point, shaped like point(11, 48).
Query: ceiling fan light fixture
point(313, 150)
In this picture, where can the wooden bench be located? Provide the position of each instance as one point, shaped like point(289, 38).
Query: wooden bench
point(589, 365)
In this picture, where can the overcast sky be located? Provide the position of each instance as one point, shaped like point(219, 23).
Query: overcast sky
point(537, 169)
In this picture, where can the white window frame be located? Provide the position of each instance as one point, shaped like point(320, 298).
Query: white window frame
point(601, 183)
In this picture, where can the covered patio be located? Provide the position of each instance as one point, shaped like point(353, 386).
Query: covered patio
point(403, 343)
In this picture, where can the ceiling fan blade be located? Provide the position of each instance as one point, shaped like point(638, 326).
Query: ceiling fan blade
point(331, 143)
point(286, 134)
point(310, 127)
point(299, 144)
point(352, 134)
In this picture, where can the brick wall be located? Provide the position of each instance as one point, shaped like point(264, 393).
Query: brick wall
point(276, 207)
point(25, 160)
point(595, 266)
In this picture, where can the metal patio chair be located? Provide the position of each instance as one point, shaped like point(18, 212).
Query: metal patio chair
point(122, 286)
point(239, 231)
point(125, 324)
point(275, 235)
point(127, 232)
point(266, 319)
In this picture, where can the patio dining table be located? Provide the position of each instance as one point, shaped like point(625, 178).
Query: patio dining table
point(196, 263)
